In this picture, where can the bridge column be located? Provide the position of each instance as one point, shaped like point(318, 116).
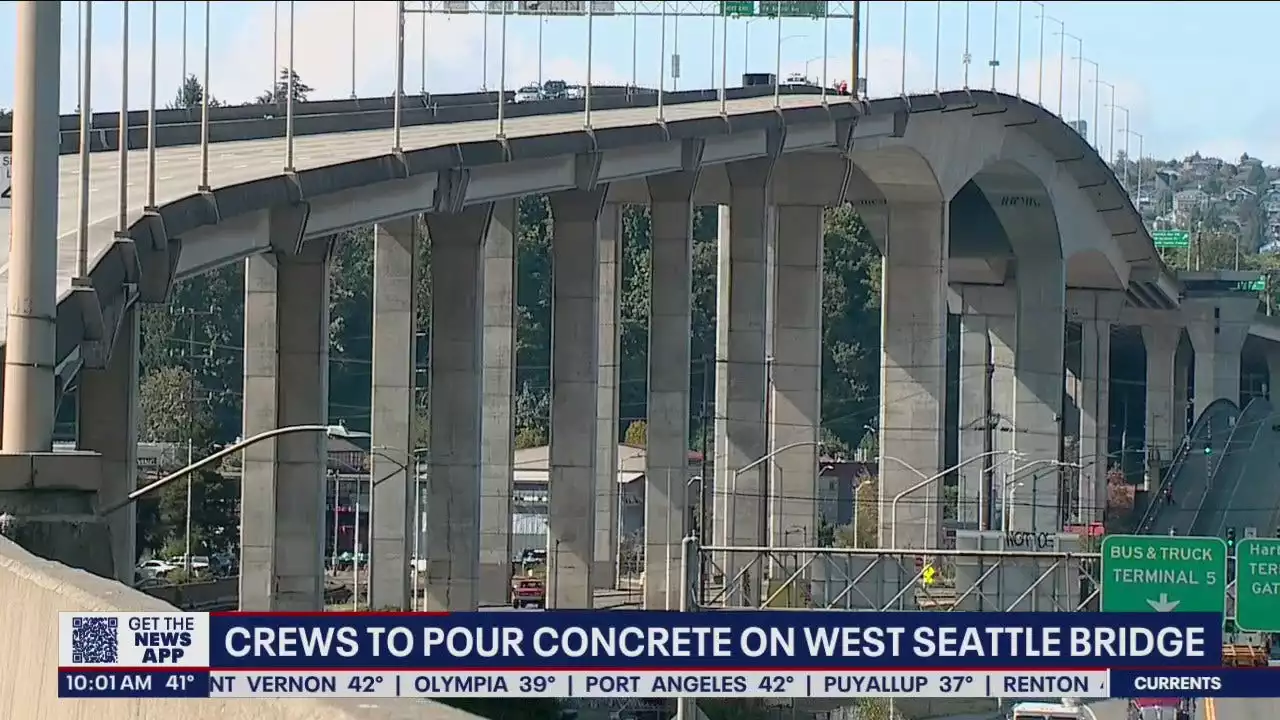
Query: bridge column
point(796, 378)
point(108, 424)
point(611, 244)
point(392, 464)
point(1273, 375)
point(453, 493)
point(670, 326)
point(746, 227)
point(987, 327)
point(497, 429)
point(1032, 496)
point(1218, 327)
point(913, 371)
point(1098, 312)
point(575, 348)
point(1164, 417)
point(286, 382)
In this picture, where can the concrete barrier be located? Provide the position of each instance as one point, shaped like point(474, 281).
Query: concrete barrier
point(256, 122)
point(34, 590)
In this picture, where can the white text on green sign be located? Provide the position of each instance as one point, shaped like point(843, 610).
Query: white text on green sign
point(1145, 574)
point(1258, 585)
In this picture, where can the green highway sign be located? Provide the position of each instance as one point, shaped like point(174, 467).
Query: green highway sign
point(1258, 285)
point(1258, 585)
point(1171, 238)
point(793, 8)
point(1155, 573)
point(743, 8)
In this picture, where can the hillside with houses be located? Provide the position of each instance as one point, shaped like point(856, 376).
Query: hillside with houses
point(1237, 201)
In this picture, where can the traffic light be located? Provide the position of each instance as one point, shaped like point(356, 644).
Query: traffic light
point(1231, 538)
point(1208, 450)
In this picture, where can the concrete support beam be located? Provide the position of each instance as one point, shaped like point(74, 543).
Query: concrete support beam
point(987, 329)
point(610, 302)
point(497, 419)
point(575, 376)
point(1098, 312)
point(286, 382)
point(393, 498)
point(1273, 375)
point(1032, 489)
point(913, 371)
point(1218, 327)
point(1164, 417)
point(746, 230)
point(453, 494)
point(670, 326)
point(108, 424)
point(796, 377)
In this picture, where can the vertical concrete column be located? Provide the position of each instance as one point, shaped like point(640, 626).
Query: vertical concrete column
point(1031, 487)
point(1098, 312)
point(1218, 327)
point(742, 289)
point(670, 326)
point(610, 299)
point(392, 498)
point(497, 419)
point(913, 371)
point(1273, 375)
point(108, 424)
point(1182, 389)
point(286, 382)
point(1095, 383)
point(1163, 416)
point(796, 401)
point(575, 376)
point(453, 484)
point(987, 326)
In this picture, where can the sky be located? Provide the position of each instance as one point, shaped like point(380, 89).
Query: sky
point(1188, 73)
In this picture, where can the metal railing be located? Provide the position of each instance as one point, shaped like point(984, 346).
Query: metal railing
point(1201, 426)
point(903, 579)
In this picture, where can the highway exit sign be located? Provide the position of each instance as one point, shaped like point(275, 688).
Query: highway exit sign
point(793, 8)
point(744, 8)
point(1171, 238)
point(1153, 573)
point(1258, 585)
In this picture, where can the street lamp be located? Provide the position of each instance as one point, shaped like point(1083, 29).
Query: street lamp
point(1111, 125)
point(1141, 152)
point(1012, 483)
point(1095, 82)
point(329, 430)
point(1079, 66)
point(927, 480)
point(1125, 131)
point(381, 451)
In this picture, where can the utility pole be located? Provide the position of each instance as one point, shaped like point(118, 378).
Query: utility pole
point(703, 514)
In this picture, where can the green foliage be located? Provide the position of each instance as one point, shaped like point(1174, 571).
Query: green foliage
point(637, 434)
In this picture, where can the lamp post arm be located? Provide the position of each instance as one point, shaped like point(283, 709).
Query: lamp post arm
point(211, 459)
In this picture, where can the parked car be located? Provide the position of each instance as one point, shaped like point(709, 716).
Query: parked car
point(575, 92)
point(153, 568)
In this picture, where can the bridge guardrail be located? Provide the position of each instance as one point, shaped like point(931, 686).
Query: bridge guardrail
point(1202, 423)
point(258, 122)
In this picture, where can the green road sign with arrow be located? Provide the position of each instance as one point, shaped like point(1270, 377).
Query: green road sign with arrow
point(1152, 573)
point(1171, 238)
point(1258, 585)
point(741, 8)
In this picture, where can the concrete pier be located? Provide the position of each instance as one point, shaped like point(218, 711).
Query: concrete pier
point(393, 499)
point(575, 348)
point(1217, 327)
point(286, 382)
point(610, 306)
point(670, 326)
point(497, 420)
point(1164, 416)
point(913, 371)
point(453, 494)
point(1098, 312)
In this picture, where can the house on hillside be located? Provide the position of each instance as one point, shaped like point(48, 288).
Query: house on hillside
point(1189, 201)
point(1237, 195)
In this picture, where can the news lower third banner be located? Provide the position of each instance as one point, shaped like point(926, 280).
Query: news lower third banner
point(647, 654)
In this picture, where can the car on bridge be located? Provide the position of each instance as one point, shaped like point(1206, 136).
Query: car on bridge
point(1065, 710)
point(1161, 709)
point(528, 93)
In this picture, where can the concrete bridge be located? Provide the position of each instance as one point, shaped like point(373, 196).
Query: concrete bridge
point(984, 205)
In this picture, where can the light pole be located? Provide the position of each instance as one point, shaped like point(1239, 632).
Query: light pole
point(1137, 191)
point(1125, 130)
point(925, 481)
point(1111, 125)
point(1062, 58)
point(1040, 64)
point(1011, 484)
point(382, 452)
point(1079, 68)
point(1096, 90)
point(746, 45)
point(329, 430)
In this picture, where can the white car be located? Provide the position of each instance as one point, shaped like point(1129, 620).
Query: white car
point(148, 569)
point(528, 93)
point(797, 79)
point(575, 92)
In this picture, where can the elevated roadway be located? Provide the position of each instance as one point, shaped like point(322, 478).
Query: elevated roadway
point(345, 170)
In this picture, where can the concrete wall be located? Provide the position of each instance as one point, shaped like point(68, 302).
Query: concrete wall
point(35, 590)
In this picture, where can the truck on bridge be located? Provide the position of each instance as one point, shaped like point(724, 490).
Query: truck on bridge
point(1161, 709)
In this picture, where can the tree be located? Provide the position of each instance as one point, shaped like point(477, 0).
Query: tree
point(637, 434)
point(191, 94)
point(280, 93)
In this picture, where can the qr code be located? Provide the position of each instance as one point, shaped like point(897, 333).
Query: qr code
point(95, 640)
